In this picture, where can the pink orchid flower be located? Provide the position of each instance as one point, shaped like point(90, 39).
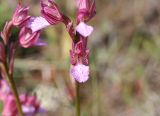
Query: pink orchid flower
point(80, 72)
point(51, 15)
point(79, 60)
point(30, 32)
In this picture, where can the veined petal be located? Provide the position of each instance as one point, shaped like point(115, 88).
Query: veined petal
point(37, 23)
point(80, 72)
point(84, 29)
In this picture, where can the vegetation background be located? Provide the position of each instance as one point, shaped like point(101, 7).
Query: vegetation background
point(124, 60)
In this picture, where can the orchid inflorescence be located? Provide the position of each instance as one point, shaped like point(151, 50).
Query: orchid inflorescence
point(51, 15)
point(30, 29)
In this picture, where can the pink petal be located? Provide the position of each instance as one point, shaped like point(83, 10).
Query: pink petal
point(37, 23)
point(80, 72)
point(84, 29)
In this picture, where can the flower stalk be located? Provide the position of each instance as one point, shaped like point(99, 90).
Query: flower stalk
point(12, 85)
point(78, 109)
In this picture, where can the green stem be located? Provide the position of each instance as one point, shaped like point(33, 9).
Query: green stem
point(78, 113)
point(14, 89)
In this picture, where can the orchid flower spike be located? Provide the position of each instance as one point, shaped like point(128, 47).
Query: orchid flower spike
point(79, 52)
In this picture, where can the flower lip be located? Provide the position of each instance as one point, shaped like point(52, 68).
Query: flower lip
point(80, 72)
point(84, 29)
point(37, 23)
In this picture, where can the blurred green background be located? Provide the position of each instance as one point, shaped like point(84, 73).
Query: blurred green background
point(124, 60)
